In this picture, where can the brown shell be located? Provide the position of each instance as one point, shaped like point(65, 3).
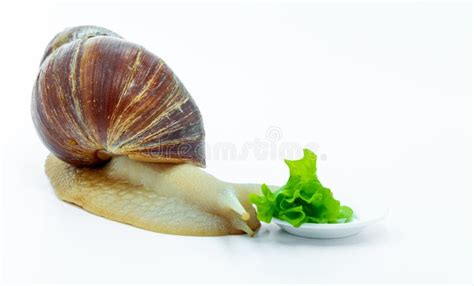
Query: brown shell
point(98, 95)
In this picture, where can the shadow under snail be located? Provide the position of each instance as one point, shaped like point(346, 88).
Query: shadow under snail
point(127, 139)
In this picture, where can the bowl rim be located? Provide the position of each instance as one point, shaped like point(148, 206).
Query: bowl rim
point(355, 223)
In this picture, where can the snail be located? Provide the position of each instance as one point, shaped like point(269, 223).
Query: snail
point(127, 139)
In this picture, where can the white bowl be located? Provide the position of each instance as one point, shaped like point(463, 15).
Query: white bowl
point(333, 230)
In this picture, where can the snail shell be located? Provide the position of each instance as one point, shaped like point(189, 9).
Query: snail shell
point(98, 96)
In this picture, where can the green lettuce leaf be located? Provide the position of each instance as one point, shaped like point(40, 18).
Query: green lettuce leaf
point(303, 199)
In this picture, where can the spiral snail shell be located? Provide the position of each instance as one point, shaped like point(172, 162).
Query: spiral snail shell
point(114, 117)
point(98, 96)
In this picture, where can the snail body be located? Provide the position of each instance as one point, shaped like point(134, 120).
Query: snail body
point(170, 202)
point(127, 139)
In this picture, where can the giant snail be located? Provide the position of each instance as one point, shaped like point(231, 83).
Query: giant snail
point(127, 139)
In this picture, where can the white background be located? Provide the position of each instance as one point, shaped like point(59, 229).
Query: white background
point(383, 90)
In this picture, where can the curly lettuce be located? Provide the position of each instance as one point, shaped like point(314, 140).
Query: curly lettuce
point(303, 199)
